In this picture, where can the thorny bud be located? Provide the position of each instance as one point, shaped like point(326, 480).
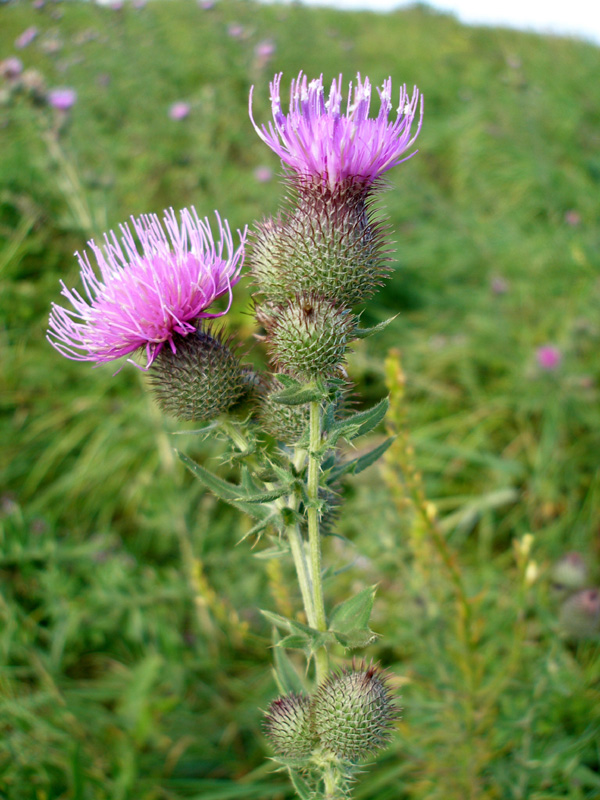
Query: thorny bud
point(570, 573)
point(284, 423)
point(201, 379)
point(308, 337)
point(580, 615)
point(354, 713)
point(288, 726)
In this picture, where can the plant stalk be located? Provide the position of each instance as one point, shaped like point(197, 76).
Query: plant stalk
point(314, 536)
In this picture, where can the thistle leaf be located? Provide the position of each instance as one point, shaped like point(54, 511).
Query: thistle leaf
point(360, 423)
point(361, 463)
point(362, 333)
point(297, 395)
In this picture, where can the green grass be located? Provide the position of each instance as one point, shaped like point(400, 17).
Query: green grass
point(119, 678)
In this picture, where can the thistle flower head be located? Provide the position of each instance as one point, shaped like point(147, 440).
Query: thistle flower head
point(309, 336)
point(354, 712)
point(288, 725)
point(317, 139)
point(580, 615)
point(145, 299)
point(201, 378)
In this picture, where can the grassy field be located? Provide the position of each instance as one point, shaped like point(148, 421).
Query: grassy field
point(134, 662)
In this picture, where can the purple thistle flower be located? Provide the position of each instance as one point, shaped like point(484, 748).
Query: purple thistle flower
point(179, 110)
point(26, 38)
point(62, 99)
point(548, 357)
point(143, 300)
point(316, 139)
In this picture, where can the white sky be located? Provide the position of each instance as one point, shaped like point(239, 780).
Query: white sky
point(578, 17)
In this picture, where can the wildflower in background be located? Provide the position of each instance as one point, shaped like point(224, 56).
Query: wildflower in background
point(235, 31)
point(145, 300)
point(316, 139)
point(26, 38)
point(179, 110)
point(263, 174)
point(499, 285)
point(62, 99)
point(264, 51)
point(11, 68)
point(573, 218)
point(548, 357)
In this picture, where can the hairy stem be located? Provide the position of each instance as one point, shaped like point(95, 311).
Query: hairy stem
point(314, 536)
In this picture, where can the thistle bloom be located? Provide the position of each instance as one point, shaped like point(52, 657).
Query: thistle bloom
point(144, 300)
point(315, 139)
point(62, 99)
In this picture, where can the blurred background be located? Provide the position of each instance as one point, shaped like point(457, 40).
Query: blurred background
point(134, 662)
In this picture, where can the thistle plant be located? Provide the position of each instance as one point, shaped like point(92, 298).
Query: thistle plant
point(153, 292)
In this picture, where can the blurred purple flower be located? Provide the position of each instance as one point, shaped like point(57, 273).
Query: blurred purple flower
point(316, 139)
point(26, 38)
point(143, 300)
point(235, 31)
point(37, 4)
point(179, 110)
point(62, 99)
point(206, 4)
point(263, 174)
point(548, 357)
point(573, 218)
point(11, 68)
point(499, 285)
point(264, 51)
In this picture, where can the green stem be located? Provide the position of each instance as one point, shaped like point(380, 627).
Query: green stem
point(314, 536)
point(299, 556)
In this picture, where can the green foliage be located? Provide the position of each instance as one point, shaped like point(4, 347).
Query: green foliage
point(119, 679)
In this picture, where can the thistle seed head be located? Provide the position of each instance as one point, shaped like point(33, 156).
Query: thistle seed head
point(288, 726)
point(199, 378)
point(308, 337)
point(354, 713)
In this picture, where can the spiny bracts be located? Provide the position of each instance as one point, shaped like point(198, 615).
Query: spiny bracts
point(200, 379)
point(329, 244)
point(354, 712)
point(308, 337)
point(288, 726)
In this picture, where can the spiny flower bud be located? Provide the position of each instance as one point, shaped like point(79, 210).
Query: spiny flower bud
point(309, 336)
point(266, 261)
point(284, 423)
point(354, 712)
point(288, 725)
point(200, 379)
point(570, 573)
point(580, 614)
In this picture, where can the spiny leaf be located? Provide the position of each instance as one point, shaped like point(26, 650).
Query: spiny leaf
point(360, 423)
point(361, 463)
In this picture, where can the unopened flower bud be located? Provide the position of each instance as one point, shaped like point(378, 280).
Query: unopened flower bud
point(309, 336)
point(288, 726)
point(570, 572)
point(354, 712)
point(200, 378)
point(285, 423)
point(580, 615)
